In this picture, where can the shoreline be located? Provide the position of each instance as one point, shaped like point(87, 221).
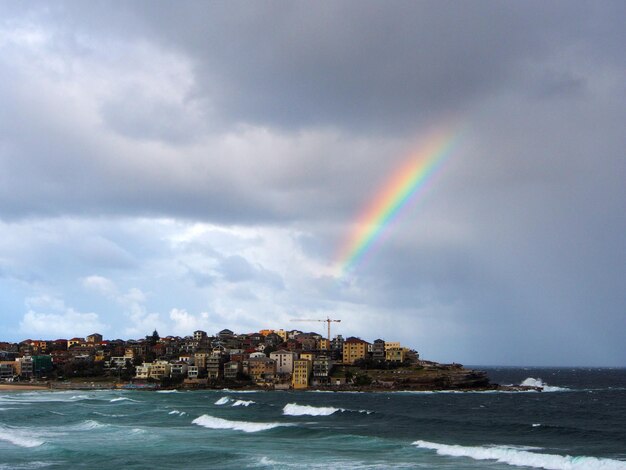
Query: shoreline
point(23, 387)
point(433, 378)
point(52, 387)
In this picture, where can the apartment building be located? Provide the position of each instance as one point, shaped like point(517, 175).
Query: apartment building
point(354, 349)
point(301, 373)
point(284, 361)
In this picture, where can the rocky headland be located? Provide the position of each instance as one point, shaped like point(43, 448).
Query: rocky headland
point(429, 376)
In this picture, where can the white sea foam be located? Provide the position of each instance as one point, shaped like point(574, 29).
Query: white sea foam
point(88, 425)
point(440, 392)
point(266, 461)
point(19, 438)
point(108, 415)
point(523, 458)
point(532, 382)
point(212, 422)
point(167, 391)
point(293, 409)
point(243, 403)
point(123, 399)
point(44, 396)
point(29, 466)
point(222, 401)
point(176, 412)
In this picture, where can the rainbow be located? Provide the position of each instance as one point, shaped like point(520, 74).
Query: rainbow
point(402, 188)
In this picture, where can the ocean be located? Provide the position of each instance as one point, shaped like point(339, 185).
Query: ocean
point(579, 422)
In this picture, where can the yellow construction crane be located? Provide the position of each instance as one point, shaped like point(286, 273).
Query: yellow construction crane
point(328, 321)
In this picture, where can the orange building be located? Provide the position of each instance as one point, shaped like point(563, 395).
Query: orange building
point(301, 373)
point(323, 344)
point(354, 349)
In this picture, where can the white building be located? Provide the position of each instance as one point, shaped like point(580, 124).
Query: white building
point(192, 372)
point(284, 361)
point(143, 371)
point(179, 369)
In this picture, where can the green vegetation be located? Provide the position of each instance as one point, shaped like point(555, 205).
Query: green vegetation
point(362, 379)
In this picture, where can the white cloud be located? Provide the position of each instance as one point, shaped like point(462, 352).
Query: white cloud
point(45, 301)
point(141, 322)
point(133, 296)
point(66, 324)
point(185, 323)
point(100, 284)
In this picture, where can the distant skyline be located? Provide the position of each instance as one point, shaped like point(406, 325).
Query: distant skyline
point(188, 165)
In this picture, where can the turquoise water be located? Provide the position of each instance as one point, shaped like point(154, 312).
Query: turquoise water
point(579, 424)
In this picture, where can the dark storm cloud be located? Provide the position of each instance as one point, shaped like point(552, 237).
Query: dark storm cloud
point(378, 66)
point(355, 64)
point(237, 269)
point(290, 115)
point(233, 269)
point(363, 67)
point(369, 64)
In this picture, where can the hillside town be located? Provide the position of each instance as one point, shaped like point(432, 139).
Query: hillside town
point(272, 359)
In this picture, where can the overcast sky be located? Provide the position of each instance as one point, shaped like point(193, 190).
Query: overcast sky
point(195, 165)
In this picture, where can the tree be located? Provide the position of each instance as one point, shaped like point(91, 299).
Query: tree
point(243, 377)
point(362, 379)
point(128, 371)
point(153, 338)
point(366, 363)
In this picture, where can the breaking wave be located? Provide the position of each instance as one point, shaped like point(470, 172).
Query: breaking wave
point(167, 391)
point(532, 382)
point(243, 403)
point(123, 399)
point(176, 412)
point(266, 461)
point(19, 438)
point(212, 422)
point(523, 458)
point(293, 409)
point(225, 400)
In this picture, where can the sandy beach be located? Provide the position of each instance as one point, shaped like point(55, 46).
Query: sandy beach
point(22, 387)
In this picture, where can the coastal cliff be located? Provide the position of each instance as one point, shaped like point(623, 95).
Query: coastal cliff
point(428, 376)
